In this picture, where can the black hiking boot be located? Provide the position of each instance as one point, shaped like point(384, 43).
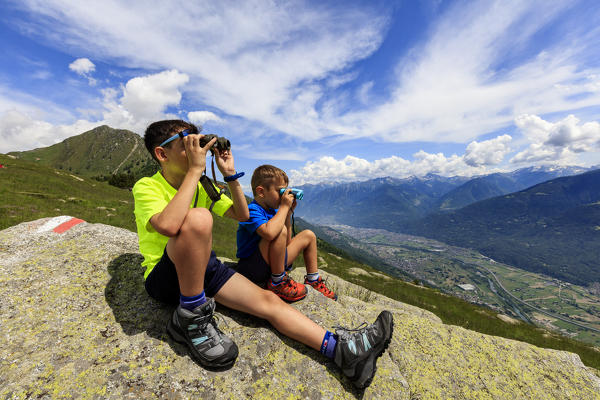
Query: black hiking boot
point(357, 349)
point(208, 345)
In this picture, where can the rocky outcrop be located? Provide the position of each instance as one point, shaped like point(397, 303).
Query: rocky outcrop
point(77, 323)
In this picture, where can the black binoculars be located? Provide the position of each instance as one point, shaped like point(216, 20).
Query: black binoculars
point(221, 143)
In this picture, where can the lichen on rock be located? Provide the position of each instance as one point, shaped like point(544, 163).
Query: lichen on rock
point(76, 322)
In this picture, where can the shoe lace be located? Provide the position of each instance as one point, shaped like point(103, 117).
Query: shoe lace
point(206, 325)
point(290, 283)
point(347, 333)
point(321, 285)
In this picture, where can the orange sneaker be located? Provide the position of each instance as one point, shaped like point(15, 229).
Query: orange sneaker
point(288, 289)
point(319, 285)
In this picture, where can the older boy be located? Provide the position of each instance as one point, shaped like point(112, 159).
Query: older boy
point(175, 236)
point(265, 243)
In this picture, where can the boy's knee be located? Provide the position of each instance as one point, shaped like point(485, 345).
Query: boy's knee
point(268, 304)
point(311, 235)
point(198, 221)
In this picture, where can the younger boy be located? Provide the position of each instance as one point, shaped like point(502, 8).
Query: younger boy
point(175, 236)
point(265, 244)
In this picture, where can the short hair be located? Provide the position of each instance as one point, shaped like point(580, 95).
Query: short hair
point(159, 131)
point(265, 175)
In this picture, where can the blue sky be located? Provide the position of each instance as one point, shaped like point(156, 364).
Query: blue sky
point(328, 91)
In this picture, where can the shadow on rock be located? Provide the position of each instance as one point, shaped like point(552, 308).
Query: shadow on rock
point(133, 309)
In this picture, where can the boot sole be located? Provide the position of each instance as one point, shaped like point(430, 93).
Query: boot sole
point(179, 338)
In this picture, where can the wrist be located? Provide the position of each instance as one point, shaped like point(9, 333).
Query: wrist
point(195, 171)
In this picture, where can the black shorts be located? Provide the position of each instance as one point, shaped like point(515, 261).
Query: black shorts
point(162, 283)
point(256, 268)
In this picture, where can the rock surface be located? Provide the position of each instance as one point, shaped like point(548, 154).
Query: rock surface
point(76, 323)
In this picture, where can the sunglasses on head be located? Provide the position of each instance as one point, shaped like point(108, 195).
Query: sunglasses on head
point(181, 134)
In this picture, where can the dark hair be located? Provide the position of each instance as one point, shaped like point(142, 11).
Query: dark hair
point(159, 131)
point(265, 175)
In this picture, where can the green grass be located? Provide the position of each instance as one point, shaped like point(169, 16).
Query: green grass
point(30, 191)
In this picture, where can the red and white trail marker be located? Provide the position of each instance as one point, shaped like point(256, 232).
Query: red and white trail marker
point(59, 224)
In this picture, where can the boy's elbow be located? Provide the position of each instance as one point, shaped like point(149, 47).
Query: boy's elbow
point(245, 216)
point(168, 231)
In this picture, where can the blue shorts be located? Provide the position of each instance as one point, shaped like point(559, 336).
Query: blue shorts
point(256, 268)
point(162, 283)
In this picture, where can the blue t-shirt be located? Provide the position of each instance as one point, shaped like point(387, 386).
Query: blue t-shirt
point(247, 238)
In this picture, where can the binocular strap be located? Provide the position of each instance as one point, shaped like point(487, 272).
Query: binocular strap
point(210, 190)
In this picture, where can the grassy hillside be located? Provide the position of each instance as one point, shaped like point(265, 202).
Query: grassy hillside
point(100, 151)
point(30, 191)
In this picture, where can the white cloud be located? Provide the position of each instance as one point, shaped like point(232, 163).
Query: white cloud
point(557, 142)
point(133, 106)
point(351, 169)
point(146, 97)
point(82, 66)
point(488, 152)
point(19, 130)
point(251, 59)
point(464, 79)
point(201, 117)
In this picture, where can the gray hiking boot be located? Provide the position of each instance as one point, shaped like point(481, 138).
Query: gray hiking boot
point(357, 349)
point(198, 329)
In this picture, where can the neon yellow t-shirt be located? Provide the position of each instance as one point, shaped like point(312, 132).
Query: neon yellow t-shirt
point(151, 196)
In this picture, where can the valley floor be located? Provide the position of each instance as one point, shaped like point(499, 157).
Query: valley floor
point(572, 310)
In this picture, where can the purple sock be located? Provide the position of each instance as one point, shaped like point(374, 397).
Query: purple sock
point(190, 303)
point(328, 345)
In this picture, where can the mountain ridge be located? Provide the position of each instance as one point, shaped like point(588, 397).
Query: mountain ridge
point(391, 202)
point(102, 151)
point(525, 228)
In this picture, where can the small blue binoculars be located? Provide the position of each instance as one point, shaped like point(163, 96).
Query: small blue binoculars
point(298, 193)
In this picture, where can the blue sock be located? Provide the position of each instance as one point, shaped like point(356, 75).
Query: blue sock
point(312, 277)
point(276, 278)
point(192, 302)
point(328, 345)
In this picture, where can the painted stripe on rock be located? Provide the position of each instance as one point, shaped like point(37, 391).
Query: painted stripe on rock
point(65, 226)
point(53, 223)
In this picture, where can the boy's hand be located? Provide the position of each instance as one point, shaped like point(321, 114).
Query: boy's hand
point(287, 199)
point(196, 154)
point(224, 162)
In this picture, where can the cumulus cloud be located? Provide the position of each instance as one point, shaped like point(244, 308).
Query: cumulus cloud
point(132, 106)
point(557, 142)
point(84, 67)
point(201, 117)
point(351, 169)
point(146, 97)
point(488, 152)
point(19, 131)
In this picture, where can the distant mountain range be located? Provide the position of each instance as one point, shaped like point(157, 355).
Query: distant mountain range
point(102, 151)
point(551, 227)
point(391, 203)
